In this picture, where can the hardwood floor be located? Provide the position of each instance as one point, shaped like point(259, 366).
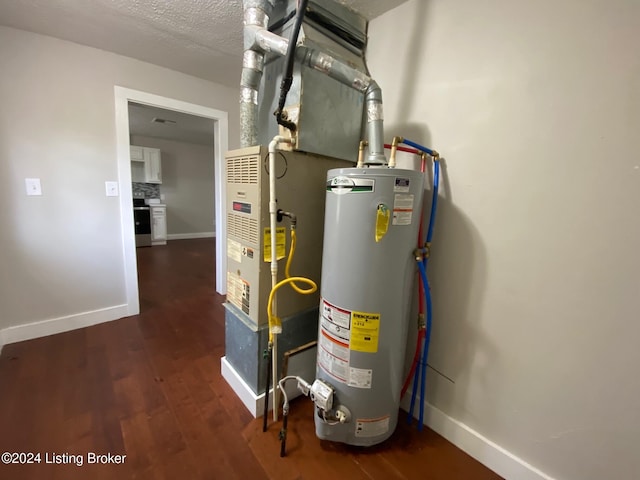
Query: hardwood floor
point(149, 387)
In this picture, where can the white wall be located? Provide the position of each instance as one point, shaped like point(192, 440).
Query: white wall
point(62, 253)
point(535, 269)
point(187, 184)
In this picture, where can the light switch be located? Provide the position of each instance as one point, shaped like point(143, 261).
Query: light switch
point(33, 186)
point(112, 189)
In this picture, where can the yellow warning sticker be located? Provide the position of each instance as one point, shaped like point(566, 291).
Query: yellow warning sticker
point(365, 330)
point(281, 240)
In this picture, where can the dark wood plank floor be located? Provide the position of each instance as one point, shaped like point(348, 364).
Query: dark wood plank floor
point(149, 387)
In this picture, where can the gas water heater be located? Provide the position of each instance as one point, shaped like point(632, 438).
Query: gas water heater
point(372, 217)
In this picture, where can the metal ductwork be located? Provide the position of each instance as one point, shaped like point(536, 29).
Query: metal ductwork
point(256, 18)
point(333, 101)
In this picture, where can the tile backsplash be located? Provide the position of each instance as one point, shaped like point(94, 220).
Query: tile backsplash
point(145, 190)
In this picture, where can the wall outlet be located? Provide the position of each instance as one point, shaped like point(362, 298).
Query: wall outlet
point(112, 189)
point(33, 186)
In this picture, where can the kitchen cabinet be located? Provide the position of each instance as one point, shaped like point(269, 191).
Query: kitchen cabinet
point(152, 165)
point(146, 166)
point(158, 224)
point(137, 154)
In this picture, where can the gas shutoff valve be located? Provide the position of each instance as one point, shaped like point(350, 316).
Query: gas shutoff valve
point(322, 395)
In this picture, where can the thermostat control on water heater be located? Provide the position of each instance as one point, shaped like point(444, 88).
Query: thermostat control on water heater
point(322, 395)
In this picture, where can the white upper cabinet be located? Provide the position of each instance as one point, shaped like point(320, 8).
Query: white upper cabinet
point(152, 165)
point(136, 154)
point(146, 166)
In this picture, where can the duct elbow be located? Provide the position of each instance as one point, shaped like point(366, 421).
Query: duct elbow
point(373, 92)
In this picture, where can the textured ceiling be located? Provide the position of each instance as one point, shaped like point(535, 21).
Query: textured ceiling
point(198, 37)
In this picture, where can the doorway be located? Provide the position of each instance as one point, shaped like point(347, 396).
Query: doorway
point(123, 97)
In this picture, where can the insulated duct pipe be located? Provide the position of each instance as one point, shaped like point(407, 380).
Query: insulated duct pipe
point(256, 15)
point(260, 40)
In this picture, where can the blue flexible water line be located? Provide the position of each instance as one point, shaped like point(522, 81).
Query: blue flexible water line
point(418, 146)
point(414, 388)
point(434, 200)
point(425, 351)
point(422, 268)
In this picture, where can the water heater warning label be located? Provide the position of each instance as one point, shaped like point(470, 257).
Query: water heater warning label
point(402, 209)
point(333, 357)
point(341, 332)
point(372, 427)
point(333, 354)
point(336, 321)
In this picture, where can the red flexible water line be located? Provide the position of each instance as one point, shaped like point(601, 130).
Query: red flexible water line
point(403, 149)
point(421, 331)
point(421, 334)
point(420, 290)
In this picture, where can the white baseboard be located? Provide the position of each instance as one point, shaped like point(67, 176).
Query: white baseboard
point(253, 402)
point(493, 456)
point(187, 236)
point(52, 326)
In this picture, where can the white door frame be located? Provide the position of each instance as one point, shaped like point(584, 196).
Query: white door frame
point(221, 140)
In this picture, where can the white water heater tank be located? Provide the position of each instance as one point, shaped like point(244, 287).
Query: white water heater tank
point(372, 217)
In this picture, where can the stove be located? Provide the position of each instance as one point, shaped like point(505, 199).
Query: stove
point(142, 222)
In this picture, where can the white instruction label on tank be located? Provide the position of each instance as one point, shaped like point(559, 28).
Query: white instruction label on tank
point(360, 377)
point(234, 250)
point(336, 321)
point(333, 357)
point(402, 209)
point(372, 427)
point(333, 352)
point(334, 346)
